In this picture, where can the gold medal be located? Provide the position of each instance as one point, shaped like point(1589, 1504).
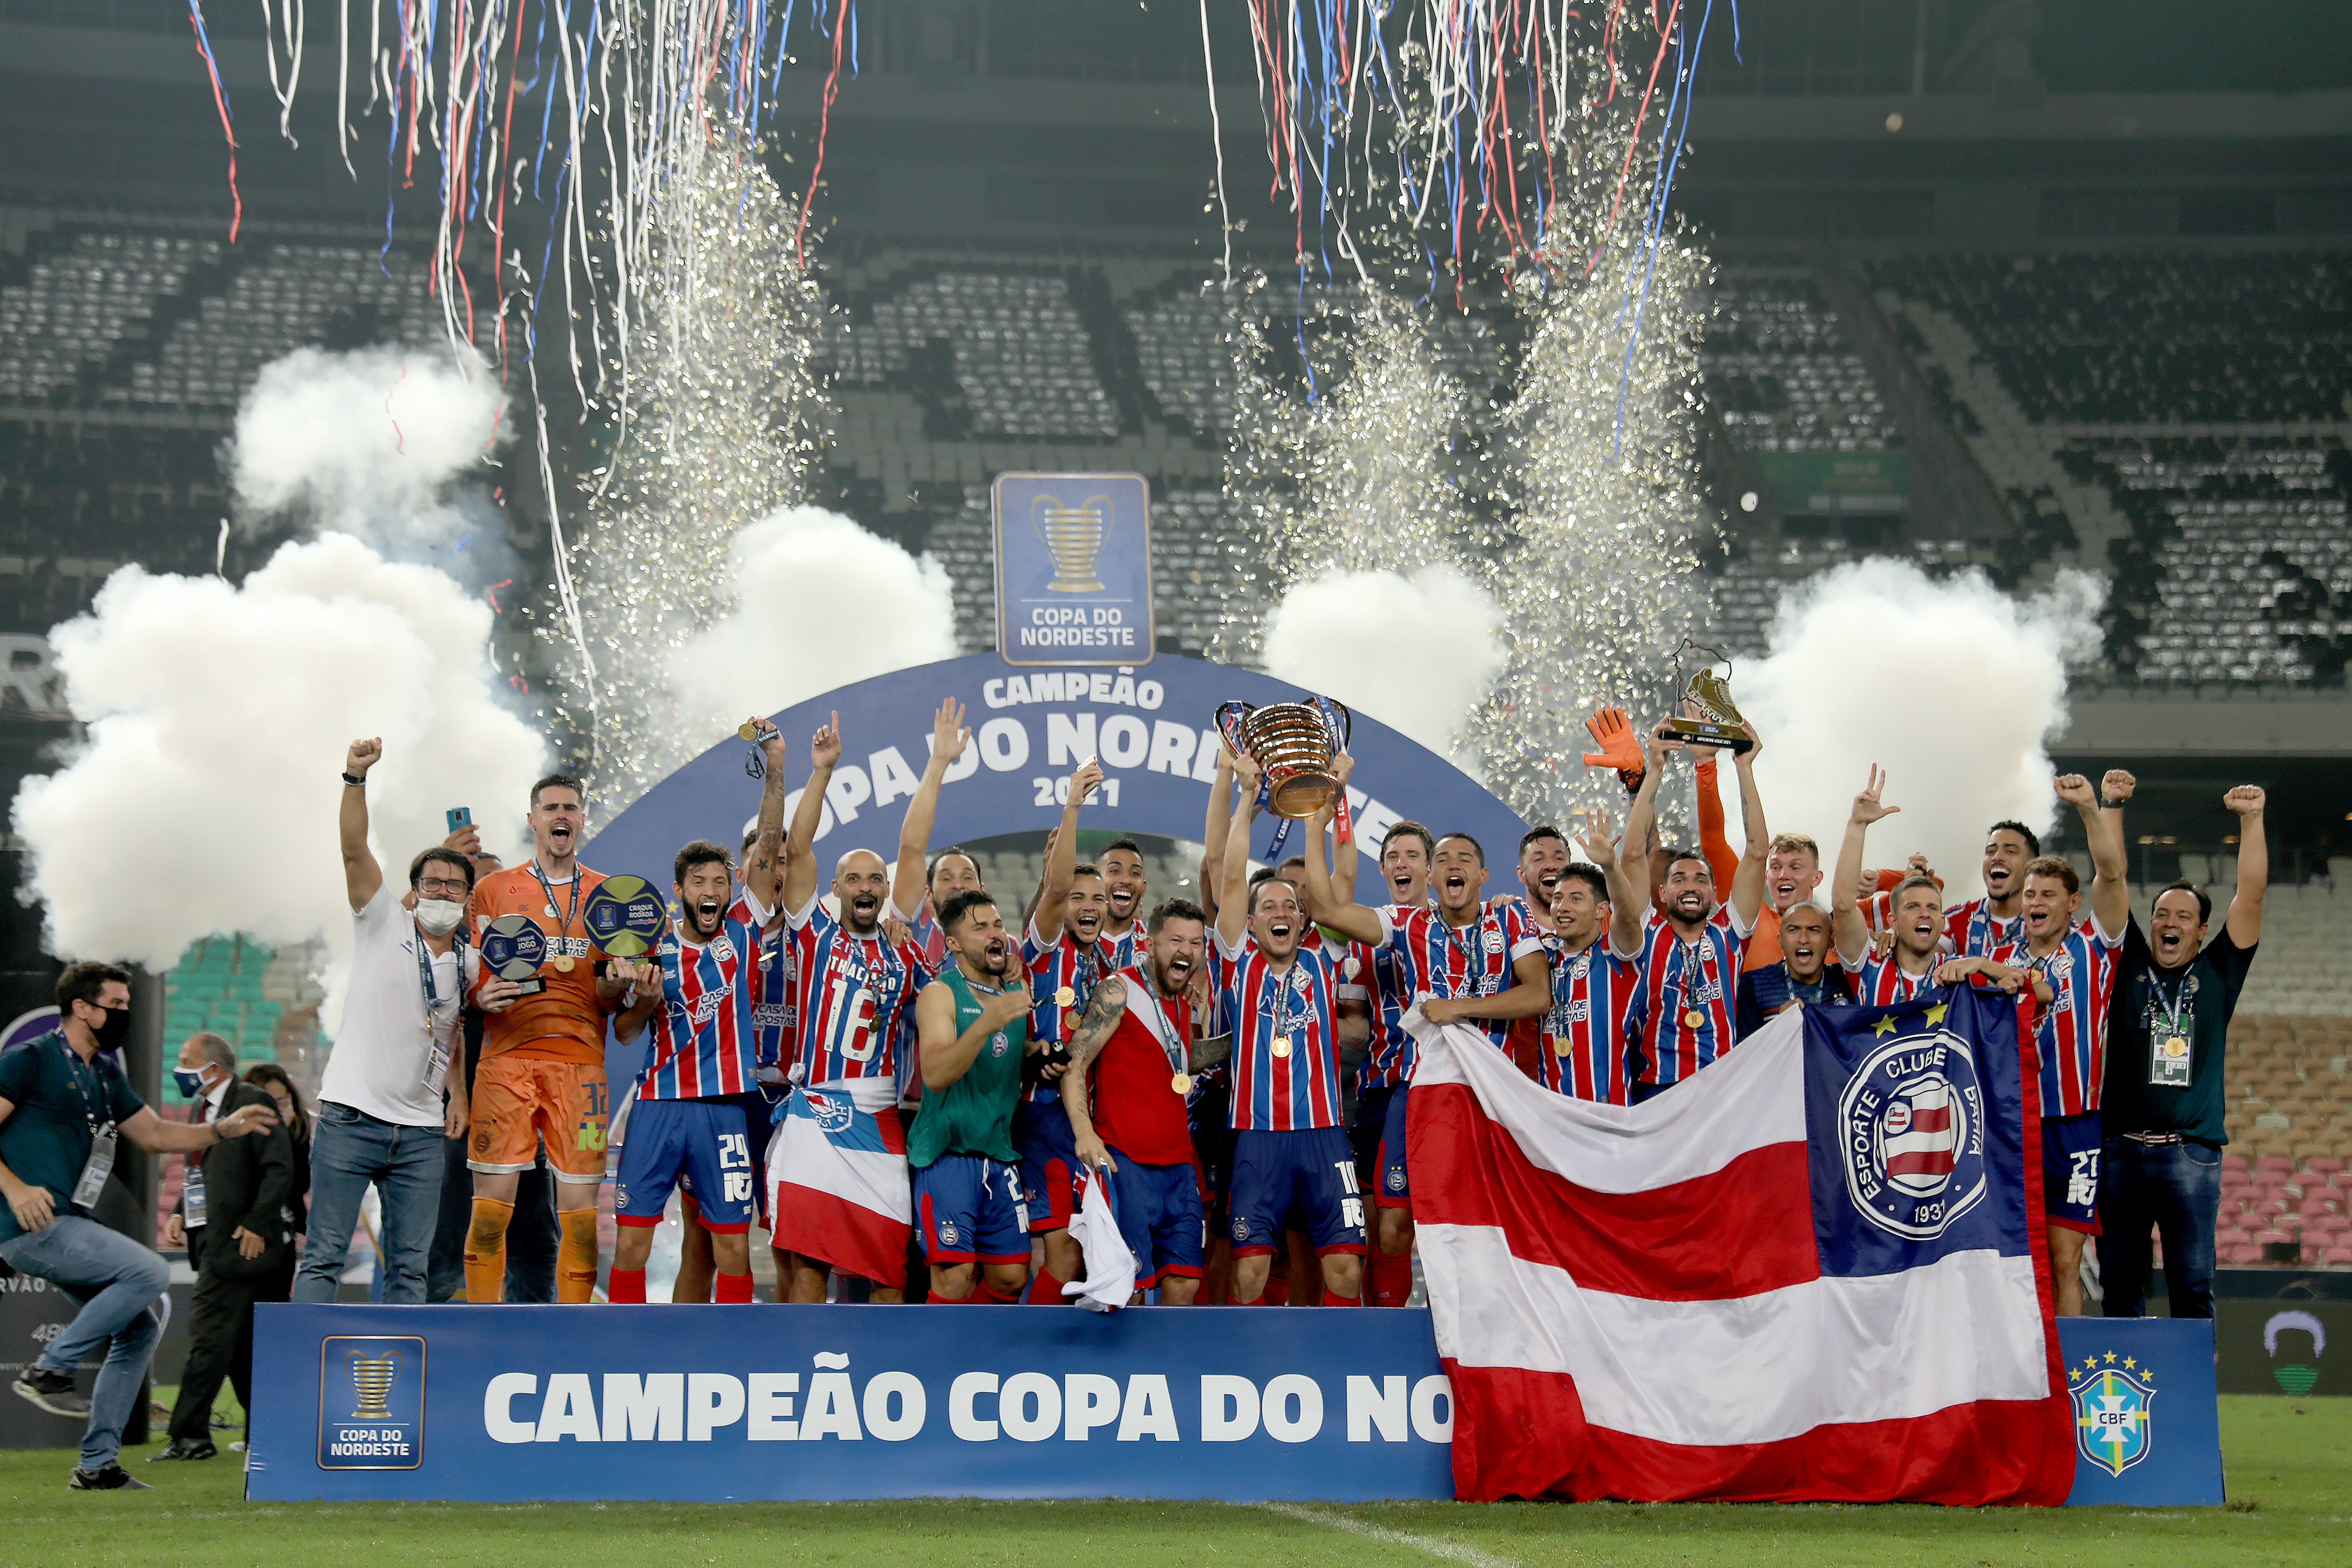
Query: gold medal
point(1694, 1018)
point(562, 963)
point(1561, 1045)
point(2177, 1046)
point(1281, 1045)
point(1182, 1083)
point(1065, 996)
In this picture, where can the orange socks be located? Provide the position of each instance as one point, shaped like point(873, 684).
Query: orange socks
point(575, 1257)
point(486, 1250)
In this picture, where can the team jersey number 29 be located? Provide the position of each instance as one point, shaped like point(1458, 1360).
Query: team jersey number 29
point(851, 1008)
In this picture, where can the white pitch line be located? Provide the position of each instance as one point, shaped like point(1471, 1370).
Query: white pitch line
point(1451, 1549)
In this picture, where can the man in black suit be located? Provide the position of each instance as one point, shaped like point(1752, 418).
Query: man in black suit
point(233, 1214)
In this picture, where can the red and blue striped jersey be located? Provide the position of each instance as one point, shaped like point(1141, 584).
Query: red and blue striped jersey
point(1973, 930)
point(703, 1041)
point(1475, 960)
point(1684, 1010)
point(1587, 1035)
point(1881, 983)
point(2071, 1033)
point(1060, 966)
point(1285, 1058)
point(849, 995)
point(1379, 974)
point(775, 1040)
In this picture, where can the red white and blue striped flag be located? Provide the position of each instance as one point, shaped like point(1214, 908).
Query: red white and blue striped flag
point(1807, 1272)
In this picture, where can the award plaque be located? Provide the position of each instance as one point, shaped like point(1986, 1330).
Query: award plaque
point(625, 916)
point(513, 948)
point(1718, 723)
point(1293, 744)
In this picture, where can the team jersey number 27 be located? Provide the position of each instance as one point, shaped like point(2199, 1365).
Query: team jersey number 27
point(851, 1008)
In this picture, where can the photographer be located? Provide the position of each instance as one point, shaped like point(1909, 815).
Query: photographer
point(62, 1106)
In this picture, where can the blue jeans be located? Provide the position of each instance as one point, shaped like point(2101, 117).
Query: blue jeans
point(2175, 1190)
point(115, 1280)
point(349, 1149)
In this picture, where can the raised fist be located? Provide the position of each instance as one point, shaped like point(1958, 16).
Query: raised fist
point(363, 755)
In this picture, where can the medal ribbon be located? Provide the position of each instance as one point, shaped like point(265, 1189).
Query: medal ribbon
point(571, 905)
point(1144, 1003)
point(1706, 961)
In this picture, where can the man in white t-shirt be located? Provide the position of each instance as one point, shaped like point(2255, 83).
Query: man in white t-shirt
point(395, 1082)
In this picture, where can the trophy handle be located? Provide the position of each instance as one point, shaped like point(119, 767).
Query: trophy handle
point(1231, 716)
point(1337, 719)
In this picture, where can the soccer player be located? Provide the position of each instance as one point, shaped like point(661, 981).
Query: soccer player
point(1543, 857)
point(1690, 943)
point(1276, 984)
point(1909, 968)
point(542, 1076)
point(1130, 1050)
point(1793, 871)
point(2170, 1033)
point(1596, 980)
point(837, 1194)
point(1803, 974)
point(973, 1029)
point(1067, 953)
point(1460, 957)
point(2076, 959)
point(947, 873)
point(1124, 885)
point(1378, 980)
point(1979, 926)
point(686, 1118)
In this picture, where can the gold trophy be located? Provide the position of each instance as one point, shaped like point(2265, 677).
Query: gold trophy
point(1718, 724)
point(371, 1380)
point(1073, 536)
point(1293, 744)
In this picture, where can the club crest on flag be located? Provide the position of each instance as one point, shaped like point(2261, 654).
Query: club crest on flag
point(833, 1112)
point(2114, 1426)
point(1913, 1119)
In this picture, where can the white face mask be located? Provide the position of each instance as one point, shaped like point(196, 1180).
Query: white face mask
point(439, 917)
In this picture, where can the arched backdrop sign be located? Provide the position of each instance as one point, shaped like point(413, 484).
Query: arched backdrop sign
point(1152, 726)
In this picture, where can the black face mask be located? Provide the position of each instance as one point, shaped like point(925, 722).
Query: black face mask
point(115, 1031)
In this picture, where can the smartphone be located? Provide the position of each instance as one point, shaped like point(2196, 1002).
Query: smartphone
point(461, 816)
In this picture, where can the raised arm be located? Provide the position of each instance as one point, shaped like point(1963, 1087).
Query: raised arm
point(799, 844)
point(1212, 832)
point(1233, 880)
point(1747, 894)
point(1326, 906)
point(762, 870)
point(1103, 1010)
point(362, 875)
point(1851, 932)
point(949, 739)
point(1626, 904)
point(2103, 830)
point(1061, 855)
point(2244, 923)
point(1641, 821)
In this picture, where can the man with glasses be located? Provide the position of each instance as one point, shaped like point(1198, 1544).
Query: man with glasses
point(390, 1095)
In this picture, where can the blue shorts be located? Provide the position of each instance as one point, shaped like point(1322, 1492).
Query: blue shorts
point(756, 1126)
point(2070, 1171)
point(1302, 1180)
point(1049, 1162)
point(1364, 1133)
point(968, 1209)
point(674, 1142)
point(1394, 1191)
point(1159, 1212)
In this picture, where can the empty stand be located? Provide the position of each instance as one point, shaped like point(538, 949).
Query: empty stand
point(74, 307)
point(1778, 373)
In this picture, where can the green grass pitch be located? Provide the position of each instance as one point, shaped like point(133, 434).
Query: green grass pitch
point(2289, 1463)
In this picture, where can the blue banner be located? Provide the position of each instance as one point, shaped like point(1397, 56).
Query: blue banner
point(689, 1404)
point(2148, 1429)
point(1072, 569)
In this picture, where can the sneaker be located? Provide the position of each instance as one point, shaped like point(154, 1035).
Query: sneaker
point(184, 1448)
point(113, 1477)
point(52, 1390)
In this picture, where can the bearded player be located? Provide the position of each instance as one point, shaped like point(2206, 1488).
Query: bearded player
point(836, 1166)
point(973, 1027)
point(1377, 980)
point(541, 1074)
point(1124, 886)
point(1124, 1094)
point(1277, 985)
point(1596, 979)
point(2075, 960)
point(687, 1120)
point(1690, 944)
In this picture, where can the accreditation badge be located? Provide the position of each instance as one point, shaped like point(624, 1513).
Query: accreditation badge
point(2168, 1060)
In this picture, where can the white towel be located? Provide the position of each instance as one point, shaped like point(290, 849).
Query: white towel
point(1110, 1263)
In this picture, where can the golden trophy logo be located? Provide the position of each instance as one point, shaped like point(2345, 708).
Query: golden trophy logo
point(1073, 536)
point(372, 1381)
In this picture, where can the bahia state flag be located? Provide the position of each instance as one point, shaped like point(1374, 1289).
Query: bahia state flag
point(1809, 1272)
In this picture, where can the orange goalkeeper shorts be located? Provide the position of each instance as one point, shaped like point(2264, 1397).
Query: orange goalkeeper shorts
point(519, 1100)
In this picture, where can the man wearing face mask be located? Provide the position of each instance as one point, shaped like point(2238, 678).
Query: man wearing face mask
point(232, 1218)
point(63, 1104)
point(389, 1095)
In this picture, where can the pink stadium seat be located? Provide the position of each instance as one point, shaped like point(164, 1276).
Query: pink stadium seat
point(2280, 1164)
point(2241, 1252)
point(2331, 1165)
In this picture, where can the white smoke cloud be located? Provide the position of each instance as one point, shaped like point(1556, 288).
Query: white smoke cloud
point(367, 443)
point(203, 799)
point(817, 603)
point(1417, 653)
point(1951, 686)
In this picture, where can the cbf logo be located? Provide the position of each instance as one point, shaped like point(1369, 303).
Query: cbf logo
point(371, 1401)
point(2112, 1427)
point(1912, 1120)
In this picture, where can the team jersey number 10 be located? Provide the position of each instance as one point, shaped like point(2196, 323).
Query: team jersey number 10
point(852, 1010)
